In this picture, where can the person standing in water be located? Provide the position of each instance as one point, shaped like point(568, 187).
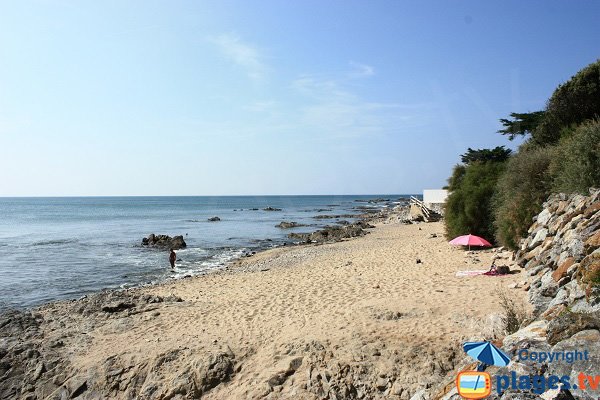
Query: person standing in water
point(172, 258)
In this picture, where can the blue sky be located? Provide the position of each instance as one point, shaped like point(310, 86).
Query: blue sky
point(270, 97)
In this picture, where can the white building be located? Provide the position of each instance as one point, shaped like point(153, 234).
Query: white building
point(435, 198)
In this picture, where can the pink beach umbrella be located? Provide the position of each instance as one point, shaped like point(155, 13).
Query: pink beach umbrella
point(470, 240)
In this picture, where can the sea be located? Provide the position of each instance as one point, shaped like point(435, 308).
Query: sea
point(66, 247)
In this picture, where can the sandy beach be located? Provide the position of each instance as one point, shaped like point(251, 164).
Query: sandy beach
point(360, 318)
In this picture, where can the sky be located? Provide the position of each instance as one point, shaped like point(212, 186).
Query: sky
point(270, 97)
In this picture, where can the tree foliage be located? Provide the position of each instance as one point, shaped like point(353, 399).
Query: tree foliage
point(521, 123)
point(572, 103)
point(521, 190)
point(497, 154)
point(577, 164)
point(469, 207)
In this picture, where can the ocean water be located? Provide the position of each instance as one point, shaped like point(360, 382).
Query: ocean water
point(60, 248)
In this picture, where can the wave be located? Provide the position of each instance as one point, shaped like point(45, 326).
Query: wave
point(54, 242)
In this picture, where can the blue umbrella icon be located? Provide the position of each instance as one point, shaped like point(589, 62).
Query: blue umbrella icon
point(487, 354)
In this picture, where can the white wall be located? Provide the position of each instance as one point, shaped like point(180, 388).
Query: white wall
point(434, 196)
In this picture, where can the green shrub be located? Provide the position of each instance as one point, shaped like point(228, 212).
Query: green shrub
point(577, 164)
point(520, 192)
point(572, 103)
point(513, 314)
point(469, 205)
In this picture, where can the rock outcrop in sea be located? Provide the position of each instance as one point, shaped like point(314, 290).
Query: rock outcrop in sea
point(561, 260)
point(288, 225)
point(164, 242)
point(333, 233)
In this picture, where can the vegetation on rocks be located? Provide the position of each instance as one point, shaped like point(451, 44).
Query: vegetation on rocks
point(561, 153)
point(520, 192)
point(577, 163)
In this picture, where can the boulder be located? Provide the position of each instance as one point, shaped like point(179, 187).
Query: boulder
point(538, 238)
point(533, 335)
point(271, 209)
point(593, 242)
point(586, 357)
point(214, 219)
point(569, 323)
point(544, 217)
point(164, 242)
point(333, 233)
point(561, 271)
point(288, 225)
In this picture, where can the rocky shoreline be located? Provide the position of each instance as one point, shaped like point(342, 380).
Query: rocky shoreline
point(34, 366)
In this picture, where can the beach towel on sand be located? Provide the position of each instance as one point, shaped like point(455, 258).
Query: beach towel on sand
point(471, 273)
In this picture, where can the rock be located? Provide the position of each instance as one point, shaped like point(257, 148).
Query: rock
point(503, 269)
point(583, 344)
point(563, 281)
point(277, 379)
point(164, 241)
point(538, 238)
point(381, 383)
point(117, 307)
point(557, 394)
point(532, 333)
point(76, 386)
point(271, 209)
point(562, 297)
point(397, 388)
point(561, 271)
point(288, 225)
point(569, 323)
point(214, 219)
point(216, 369)
point(589, 269)
point(39, 370)
point(549, 287)
point(593, 242)
point(419, 395)
point(331, 233)
point(544, 217)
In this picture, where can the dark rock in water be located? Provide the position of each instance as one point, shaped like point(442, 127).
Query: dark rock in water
point(328, 216)
point(271, 209)
point(164, 241)
point(379, 200)
point(214, 219)
point(287, 225)
point(333, 233)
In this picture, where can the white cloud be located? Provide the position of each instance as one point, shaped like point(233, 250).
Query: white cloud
point(242, 54)
point(333, 109)
point(361, 70)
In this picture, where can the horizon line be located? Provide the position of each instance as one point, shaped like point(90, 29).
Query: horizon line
point(207, 195)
